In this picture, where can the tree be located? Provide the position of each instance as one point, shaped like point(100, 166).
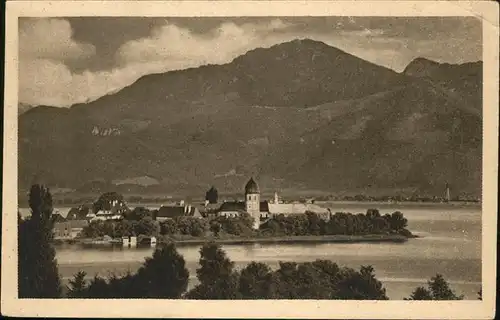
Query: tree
point(216, 275)
point(315, 223)
point(372, 213)
point(362, 285)
point(420, 293)
point(38, 272)
point(168, 227)
point(441, 289)
point(247, 220)
point(215, 227)
point(147, 226)
point(284, 281)
point(165, 274)
point(98, 288)
point(438, 289)
point(255, 281)
point(397, 221)
point(212, 195)
point(138, 213)
point(77, 286)
point(105, 202)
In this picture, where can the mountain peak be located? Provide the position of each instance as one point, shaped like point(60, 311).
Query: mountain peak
point(421, 66)
point(300, 48)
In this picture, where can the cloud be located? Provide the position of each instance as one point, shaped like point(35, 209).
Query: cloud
point(46, 82)
point(50, 39)
point(180, 48)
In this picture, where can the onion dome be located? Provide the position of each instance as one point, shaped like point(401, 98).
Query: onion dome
point(251, 187)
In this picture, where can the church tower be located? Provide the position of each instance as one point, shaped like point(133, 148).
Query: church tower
point(252, 201)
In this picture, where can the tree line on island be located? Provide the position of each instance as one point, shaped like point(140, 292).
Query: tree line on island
point(141, 222)
point(164, 275)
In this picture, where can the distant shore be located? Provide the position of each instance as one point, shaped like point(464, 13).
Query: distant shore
point(369, 238)
point(332, 203)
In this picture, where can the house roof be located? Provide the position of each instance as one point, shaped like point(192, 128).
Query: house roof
point(232, 206)
point(170, 211)
point(240, 206)
point(177, 211)
point(210, 207)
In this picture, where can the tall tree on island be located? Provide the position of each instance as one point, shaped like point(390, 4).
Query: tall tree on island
point(212, 195)
point(38, 273)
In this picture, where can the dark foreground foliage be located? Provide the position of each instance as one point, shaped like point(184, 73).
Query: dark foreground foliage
point(165, 276)
point(38, 273)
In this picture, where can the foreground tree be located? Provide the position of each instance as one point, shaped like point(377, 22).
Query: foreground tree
point(216, 275)
point(255, 281)
point(77, 286)
point(165, 275)
point(360, 285)
point(420, 293)
point(38, 272)
point(438, 289)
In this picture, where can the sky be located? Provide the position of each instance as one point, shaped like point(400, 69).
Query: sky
point(63, 61)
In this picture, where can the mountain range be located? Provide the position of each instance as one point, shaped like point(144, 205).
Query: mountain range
point(300, 116)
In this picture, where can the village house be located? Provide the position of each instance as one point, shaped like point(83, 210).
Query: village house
point(209, 210)
point(115, 213)
point(69, 229)
point(180, 210)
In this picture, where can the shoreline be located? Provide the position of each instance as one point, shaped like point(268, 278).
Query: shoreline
point(371, 238)
point(299, 239)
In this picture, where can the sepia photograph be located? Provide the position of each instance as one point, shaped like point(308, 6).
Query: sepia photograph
point(312, 155)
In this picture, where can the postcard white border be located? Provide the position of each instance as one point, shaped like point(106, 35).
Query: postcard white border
point(10, 305)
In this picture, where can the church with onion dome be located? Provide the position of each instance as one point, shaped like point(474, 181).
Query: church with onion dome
point(262, 210)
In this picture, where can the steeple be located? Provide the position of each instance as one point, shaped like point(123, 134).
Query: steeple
point(252, 187)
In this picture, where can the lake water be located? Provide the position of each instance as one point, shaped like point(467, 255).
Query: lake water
point(450, 245)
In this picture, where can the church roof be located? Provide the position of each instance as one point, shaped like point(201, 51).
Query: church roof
point(240, 206)
point(232, 206)
point(252, 187)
